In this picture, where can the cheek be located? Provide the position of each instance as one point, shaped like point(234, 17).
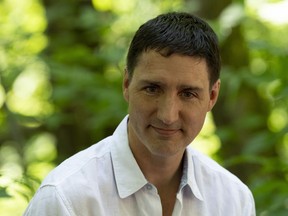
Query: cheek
point(137, 109)
point(194, 122)
point(140, 104)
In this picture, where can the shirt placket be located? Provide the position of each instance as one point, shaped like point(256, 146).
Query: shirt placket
point(149, 201)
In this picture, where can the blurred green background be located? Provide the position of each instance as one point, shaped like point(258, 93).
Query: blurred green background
point(61, 64)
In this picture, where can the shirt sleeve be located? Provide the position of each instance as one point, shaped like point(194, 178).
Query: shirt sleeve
point(48, 202)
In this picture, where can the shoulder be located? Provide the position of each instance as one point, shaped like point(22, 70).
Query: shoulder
point(76, 183)
point(207, 165)
point(80, 163)
point(84, 184)
point(221, 190)
point(216, 177)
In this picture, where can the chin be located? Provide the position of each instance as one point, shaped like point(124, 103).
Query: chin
point(166, 152)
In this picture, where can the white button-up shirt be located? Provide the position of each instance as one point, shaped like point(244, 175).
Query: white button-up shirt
point(105, 180)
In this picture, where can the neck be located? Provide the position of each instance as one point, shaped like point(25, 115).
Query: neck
point(163, 171)
point(158, 170)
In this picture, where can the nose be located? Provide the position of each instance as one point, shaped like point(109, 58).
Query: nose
point(168, 110)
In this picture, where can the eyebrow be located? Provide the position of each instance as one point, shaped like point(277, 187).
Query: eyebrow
point(193, 88)
point(151, 82)
point(181, 87)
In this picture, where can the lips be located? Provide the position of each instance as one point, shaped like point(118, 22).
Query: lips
point(165, 131)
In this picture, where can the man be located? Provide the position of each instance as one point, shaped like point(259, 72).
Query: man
point(147, 166)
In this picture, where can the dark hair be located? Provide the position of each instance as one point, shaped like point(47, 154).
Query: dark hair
point(180, 33)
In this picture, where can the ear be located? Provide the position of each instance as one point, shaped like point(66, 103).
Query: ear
point(214, 94)
point(125, 85)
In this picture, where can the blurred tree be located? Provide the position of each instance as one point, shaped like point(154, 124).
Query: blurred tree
point(87, 102)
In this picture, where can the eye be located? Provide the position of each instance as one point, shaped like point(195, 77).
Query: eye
point(151, 89)
point(188, 94)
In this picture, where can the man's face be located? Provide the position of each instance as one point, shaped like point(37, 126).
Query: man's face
point(168, 100)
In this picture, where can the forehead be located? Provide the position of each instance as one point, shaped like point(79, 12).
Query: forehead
point(174, 69)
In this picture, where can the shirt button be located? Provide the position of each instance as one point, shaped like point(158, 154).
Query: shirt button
point(148, 187)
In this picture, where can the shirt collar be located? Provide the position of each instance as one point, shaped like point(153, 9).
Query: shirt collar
point(189, 177)
point(129, 178)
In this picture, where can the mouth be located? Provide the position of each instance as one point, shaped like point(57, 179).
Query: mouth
point(165, 131)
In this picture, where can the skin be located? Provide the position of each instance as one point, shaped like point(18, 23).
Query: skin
point(168, 99)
